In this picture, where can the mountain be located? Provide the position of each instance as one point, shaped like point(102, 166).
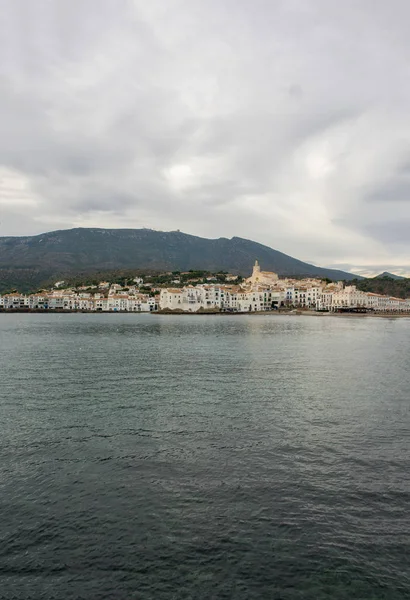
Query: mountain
point(389, 275)
point(27, 263)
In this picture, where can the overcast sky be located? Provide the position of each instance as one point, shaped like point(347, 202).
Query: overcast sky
point(282, 121)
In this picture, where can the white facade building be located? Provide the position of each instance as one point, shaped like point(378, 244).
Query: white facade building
point(261, 292)
point(349, 297)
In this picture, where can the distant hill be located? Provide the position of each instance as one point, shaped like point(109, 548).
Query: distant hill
point(27, 263)
point(389, 275)
point(399, 287)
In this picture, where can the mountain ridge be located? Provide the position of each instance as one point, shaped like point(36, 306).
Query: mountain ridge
point(27, 261)
point(389, 275)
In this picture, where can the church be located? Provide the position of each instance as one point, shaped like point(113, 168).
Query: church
point(261, 278)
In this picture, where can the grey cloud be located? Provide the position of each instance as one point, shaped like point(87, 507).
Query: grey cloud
point(397, 190)
point(108, 201)
point(218, 118)
point(295, 91)
point(393, 232)
point(404, 168)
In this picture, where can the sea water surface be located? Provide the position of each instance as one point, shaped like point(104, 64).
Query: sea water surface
point(159, 457)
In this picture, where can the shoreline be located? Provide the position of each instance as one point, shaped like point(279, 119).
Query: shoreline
point(276, 313)
point(289, 314)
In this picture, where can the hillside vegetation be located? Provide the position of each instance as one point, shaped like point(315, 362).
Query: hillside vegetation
point(399, 288)
point(36, 261)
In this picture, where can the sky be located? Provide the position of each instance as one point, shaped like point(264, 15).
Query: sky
point(282, 121)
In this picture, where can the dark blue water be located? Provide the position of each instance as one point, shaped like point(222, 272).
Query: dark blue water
point(147, 456)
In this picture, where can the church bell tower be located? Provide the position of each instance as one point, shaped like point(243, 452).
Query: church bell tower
point(256, 268)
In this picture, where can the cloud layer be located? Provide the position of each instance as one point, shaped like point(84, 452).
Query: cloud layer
point(282, 121)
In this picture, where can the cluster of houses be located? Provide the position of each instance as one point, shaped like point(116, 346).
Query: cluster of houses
point(265, 291)
point(262, 291)
point(106, 298)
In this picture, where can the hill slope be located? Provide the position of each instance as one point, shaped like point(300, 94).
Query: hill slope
point(389, 276)
point(388, 286)
point(29, 262)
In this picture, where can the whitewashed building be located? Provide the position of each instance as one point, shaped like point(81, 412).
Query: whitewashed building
point(349, 297)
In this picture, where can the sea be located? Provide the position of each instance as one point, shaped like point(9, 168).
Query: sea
point(204, 457)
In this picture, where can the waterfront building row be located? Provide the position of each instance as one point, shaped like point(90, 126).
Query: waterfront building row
point(262, 291)
point(331, 298)
point(230, 298)
point(81, 302)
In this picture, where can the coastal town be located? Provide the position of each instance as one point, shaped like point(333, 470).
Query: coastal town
point(261, 292)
